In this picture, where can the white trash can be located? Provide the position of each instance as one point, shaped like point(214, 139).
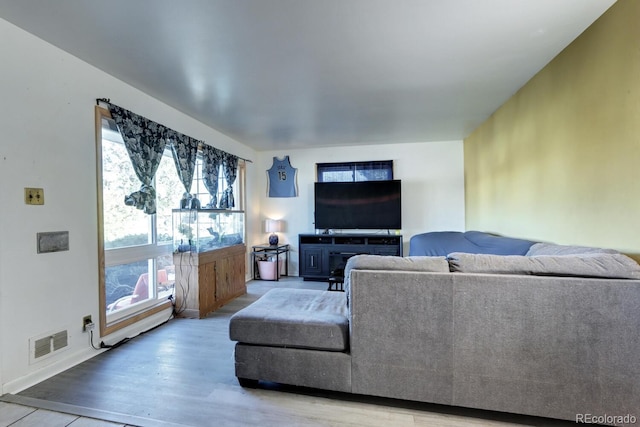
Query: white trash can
point(267, 269)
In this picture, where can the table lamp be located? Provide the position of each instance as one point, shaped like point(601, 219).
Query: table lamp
point(273, 226)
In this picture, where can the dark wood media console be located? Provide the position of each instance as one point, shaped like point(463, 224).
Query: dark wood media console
point(321, 255)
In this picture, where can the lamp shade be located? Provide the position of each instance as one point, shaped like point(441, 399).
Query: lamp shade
point(273, 226)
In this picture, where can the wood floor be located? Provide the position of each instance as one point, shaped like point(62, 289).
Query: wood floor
point(182, 374)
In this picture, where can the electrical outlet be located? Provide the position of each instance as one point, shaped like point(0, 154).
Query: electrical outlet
point(86, 320)
point(34, 196)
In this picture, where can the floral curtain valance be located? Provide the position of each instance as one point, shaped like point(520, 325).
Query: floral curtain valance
point(230, 168)
point(211, 161)
point(144, 140)
point(184, 150)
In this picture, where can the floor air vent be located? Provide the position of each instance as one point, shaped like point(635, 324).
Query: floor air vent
point(48, 344)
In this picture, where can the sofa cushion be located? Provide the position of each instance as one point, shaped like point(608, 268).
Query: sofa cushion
point(553, 249)
point(300, 318)
point(616, 266)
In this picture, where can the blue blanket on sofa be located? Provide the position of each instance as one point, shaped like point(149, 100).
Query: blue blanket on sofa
point(442, 243)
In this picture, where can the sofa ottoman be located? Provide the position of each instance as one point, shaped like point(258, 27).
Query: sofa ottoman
point(307, 328)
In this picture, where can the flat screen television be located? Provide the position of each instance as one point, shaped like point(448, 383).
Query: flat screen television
point(358, 205)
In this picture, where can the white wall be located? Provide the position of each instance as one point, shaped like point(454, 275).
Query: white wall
point(432, 175)
point(47, 122)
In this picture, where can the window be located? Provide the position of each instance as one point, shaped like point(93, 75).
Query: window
point(169, 191)
point(355, 171)
point(199, 190)
point(137, 278)
point(137, 249)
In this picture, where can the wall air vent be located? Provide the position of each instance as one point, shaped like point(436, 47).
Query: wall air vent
point(59, 340)
point(42, 347)
point(47, 345)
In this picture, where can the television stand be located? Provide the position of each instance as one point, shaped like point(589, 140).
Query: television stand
point(323, 255)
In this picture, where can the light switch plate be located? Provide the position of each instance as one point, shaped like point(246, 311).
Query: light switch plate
point(34, 196)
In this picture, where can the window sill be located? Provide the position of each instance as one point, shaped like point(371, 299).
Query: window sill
point(109, 328)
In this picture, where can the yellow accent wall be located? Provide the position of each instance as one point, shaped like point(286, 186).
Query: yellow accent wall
point(560, 160)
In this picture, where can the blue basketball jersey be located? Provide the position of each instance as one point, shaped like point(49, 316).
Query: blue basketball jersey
point(282, 179)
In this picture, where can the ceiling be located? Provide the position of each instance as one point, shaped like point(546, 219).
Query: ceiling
point(278, 74)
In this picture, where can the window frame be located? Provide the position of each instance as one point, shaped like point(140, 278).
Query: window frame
point(353, 167)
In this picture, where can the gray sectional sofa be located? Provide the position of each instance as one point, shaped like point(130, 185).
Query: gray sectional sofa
point(551, 333)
